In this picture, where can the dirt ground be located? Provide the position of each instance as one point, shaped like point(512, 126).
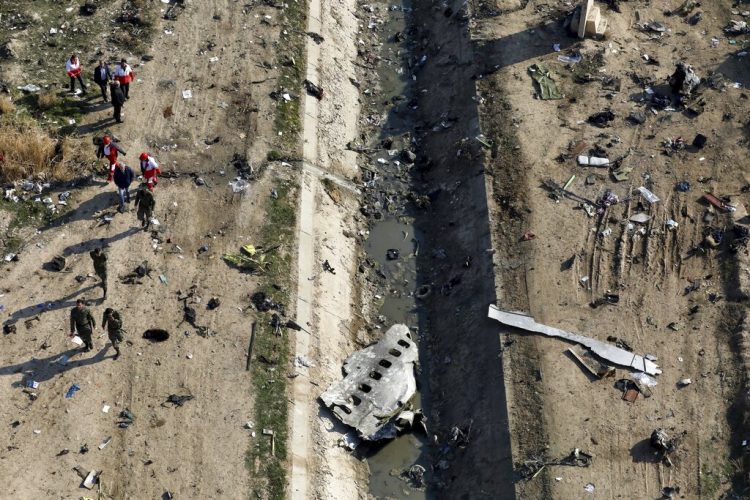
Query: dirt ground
point(554, 405)
point(197, 450)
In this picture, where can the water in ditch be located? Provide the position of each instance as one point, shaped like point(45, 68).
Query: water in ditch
point(393, 243)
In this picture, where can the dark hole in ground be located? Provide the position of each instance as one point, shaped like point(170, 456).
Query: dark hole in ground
point(156, 335)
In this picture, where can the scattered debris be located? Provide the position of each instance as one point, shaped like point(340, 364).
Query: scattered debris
point(684, 80)
point(91, 479)
point(176, 400)
point(264, 303)
point(530, 468)
point(71, 391)
point(328, 268)
point(126, 419)
point(716, 202)
point(601, 119)
point(664, 445)
point(414, 475)
point(648, 195)
point(591, 364)
point(313, 90)
point(57, 263)
point(104, 443)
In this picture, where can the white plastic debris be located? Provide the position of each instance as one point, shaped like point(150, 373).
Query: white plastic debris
point(684, 382)
point(350, 441)
point(644, 378)
point(641, 218)
point(301, 361)
point(648, 195)
point(105, 443)
point(187, 94)
point(671, 224)
point(30, 87)
point(590, 487)
point(105, 409)
point(593, 161)
point(238, 186)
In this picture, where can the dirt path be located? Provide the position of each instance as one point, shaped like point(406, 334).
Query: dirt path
point(194, 451)
point(320, 468)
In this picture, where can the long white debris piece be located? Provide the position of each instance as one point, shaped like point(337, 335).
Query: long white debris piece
point(611, 353)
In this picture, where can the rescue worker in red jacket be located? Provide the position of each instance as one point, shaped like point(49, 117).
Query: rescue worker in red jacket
point(109, 150)
point(124, 74)
point(73, 68)
point(149, 169)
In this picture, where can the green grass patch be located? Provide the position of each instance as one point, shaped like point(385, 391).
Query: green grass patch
point(25, 213)
point(291, 60)
point(271, 352)
point(709, 484)
point(54, 108)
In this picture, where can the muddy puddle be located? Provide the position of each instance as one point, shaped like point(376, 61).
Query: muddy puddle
point(393, 241)
point(397, 234)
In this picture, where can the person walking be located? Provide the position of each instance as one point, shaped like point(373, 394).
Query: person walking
point(145, 202)
point(149, 170)
point(100, 267)
point(118, 100)
point(123, 179)
point(109, 150)
point(73, 67)
point(112, 321)
point(102, 76)
point(124, 74)
point(83, 322)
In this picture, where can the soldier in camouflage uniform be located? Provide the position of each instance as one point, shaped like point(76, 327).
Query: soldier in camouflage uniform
point(113, 323)
point(145, 202)
point(100, 267)
point(82, 321)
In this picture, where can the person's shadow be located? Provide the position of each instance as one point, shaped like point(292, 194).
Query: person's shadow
point(44, 369)
point(38, 309)
point(88, 245)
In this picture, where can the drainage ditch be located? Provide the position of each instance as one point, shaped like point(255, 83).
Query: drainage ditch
point(429, 251)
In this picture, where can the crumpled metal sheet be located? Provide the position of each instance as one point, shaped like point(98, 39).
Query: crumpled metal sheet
point(379, 380)
point(609, 352)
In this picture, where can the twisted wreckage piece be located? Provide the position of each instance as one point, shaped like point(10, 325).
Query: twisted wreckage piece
point(609, 352)
point(379, 382)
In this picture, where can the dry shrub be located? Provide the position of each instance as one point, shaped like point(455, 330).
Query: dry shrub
point(26, 150)
point(7, 107)
point(46, 101)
